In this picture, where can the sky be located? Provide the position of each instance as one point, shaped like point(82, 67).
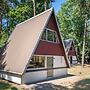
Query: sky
point(57, 5)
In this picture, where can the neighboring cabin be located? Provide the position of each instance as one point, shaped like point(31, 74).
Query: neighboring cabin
point(70, 51)
point(35, 51)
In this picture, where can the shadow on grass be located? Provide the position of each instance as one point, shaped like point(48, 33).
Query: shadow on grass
point(14, 88)
point(80, 85)
point(6, 86)
point(49, 86)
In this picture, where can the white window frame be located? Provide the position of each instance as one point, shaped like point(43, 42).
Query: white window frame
point(44, 63)
point(53, 36)
point(40, 67)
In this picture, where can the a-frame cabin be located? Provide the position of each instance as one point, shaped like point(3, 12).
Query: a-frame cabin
point(70, 51)
point(35, 51)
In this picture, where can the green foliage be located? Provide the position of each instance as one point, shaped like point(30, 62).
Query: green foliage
point(17, 11)
point(24, 10)
point(71, 18)
point(3, 38)
point(7, 86)
point(20, 13)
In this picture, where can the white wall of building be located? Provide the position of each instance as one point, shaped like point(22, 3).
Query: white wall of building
point(12, 78)
point(60, 72)
point(74, 59)
point(59, 61)
point(30, 77)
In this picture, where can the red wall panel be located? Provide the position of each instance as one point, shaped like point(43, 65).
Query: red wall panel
point(72, 51)
point(47, 48)
point(52, 24)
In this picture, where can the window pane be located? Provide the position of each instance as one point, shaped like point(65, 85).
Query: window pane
point(37, 62)
point(42, 61)
point(55, 37)
point(49, 62)
point(58, 40)
point(44, 35)
point(50, 35)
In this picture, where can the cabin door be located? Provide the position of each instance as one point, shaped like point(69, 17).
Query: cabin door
point(50, 65)
point(70, 59)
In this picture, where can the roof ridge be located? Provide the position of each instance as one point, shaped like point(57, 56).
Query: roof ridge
point(34, 16)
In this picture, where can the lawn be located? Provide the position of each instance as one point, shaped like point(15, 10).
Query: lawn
point(5, 85)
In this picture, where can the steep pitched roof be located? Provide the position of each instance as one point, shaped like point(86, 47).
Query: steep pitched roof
point(67, 44)
point(22, 42)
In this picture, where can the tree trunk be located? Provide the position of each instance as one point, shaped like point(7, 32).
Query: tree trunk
point(45, 5)
point(84, 40)
point(34, 9)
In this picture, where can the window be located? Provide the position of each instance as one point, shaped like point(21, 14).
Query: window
point(37, 62)
point(44, 35)
point(50, 35)
point(55, 37)
point(49, 62)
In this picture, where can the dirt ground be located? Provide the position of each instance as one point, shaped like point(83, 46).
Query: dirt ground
point(77, 79)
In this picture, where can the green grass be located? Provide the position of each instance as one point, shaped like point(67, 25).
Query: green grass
point(82, 85)
point(6, 86)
